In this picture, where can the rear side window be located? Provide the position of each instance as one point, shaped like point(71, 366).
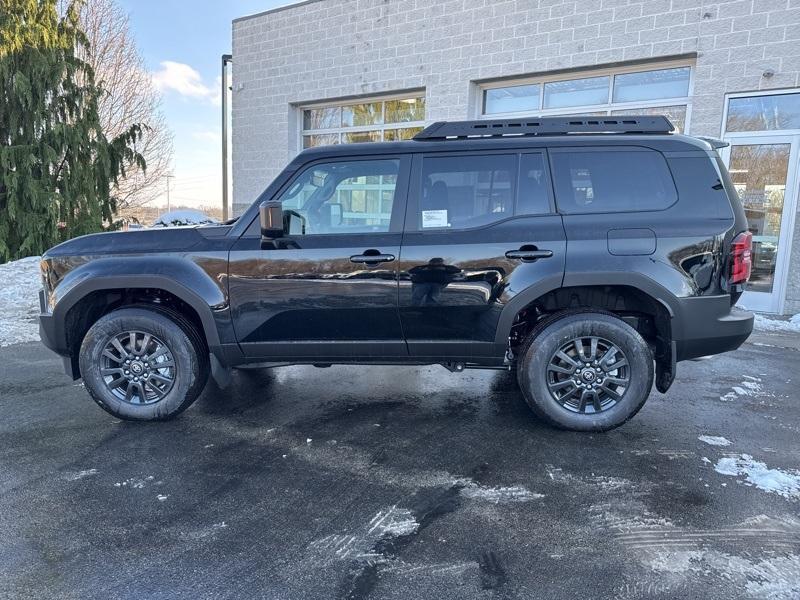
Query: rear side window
point(460, 192)
point(612, 180)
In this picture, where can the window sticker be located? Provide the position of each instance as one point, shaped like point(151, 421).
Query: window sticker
point(434, 218)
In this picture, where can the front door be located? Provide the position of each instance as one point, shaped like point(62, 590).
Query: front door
point(480, 228)
point(763, 169)
point(328, 288)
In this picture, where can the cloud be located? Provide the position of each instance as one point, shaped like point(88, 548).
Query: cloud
point(186, 81)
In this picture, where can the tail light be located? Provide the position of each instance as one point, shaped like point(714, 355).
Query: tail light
point(741, 257)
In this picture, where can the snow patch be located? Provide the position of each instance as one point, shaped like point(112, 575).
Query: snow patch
point(19, 301)
point(184, 218)
point(499, 495)
point(136, 483)
point(749, 386)
point(714, 440)
point(393, 522)
point(765, 323)
point(78, 475)
point(756, 473)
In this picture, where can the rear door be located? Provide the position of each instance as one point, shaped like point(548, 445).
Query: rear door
point(479, 228)
point(328, 288)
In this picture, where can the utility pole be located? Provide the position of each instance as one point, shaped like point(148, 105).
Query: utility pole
point(226, 58)
point(169, 175)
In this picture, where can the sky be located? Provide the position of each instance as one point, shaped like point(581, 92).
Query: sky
point(181, 43)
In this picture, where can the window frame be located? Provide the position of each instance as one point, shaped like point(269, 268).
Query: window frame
point(341, 130)
point(606, 108)
point(605, 150)
point(399, 202)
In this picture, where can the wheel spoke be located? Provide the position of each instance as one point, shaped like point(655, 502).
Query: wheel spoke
point(120, 348)
point(578, 343)
point(160, 351)
point(142, 393)
point(145, 342)
point(163, 365)
point(559, 369)
point(561, 384)
point(129, 392)
point(596, 401)
point(614, 394)
point(116, 383)
point(160, 378)
point(110, 355)
point(593, 350)
point(155, 388)
point(111, 371)
point(623, 362)
point(567, 359)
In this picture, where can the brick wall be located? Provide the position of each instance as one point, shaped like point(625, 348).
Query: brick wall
point(330, 49)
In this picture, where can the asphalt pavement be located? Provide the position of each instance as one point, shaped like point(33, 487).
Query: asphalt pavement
point(399, 482)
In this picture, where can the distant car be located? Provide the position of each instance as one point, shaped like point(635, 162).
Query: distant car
point(588, 254)
point(184, 218)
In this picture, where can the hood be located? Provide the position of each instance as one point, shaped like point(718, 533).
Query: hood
point(140, 241)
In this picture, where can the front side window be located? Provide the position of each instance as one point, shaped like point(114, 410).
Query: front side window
point(612, 181)
point(341, 197)
point(459, 192)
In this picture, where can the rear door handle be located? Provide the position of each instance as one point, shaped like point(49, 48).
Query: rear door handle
point(372, 258)
point(528, 255)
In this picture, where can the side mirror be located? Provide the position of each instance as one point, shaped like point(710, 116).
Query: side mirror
point(271, 216)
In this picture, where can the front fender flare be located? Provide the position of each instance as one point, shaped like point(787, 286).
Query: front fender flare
point(180, 277)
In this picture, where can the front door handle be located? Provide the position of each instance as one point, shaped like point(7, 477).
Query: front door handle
point(528, 255)
point(372, 257)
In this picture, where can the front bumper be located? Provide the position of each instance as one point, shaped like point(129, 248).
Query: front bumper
point(711, 326)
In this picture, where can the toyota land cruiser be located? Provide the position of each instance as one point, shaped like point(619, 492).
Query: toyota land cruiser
point(588, 254)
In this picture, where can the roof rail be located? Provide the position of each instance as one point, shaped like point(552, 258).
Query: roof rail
point(545, 126)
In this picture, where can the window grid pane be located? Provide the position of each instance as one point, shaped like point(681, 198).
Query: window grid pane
point(370, 121)
point(616, 94)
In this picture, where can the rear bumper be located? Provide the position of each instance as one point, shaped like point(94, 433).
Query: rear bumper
point(710, 326)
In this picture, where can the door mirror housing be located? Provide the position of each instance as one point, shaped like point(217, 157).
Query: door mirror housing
point(271, 217)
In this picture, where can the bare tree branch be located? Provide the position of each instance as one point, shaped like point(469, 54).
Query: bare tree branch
point(131, 98)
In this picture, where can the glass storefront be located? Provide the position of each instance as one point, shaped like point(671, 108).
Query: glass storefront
point(763, 159)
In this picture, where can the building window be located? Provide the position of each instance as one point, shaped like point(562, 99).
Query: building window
point(764, 113)
point(389, 119)
point(622, 91)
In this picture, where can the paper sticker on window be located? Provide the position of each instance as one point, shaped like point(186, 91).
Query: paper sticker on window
point(434, 218)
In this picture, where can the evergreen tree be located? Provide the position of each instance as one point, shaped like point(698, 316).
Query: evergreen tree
point(57, 168)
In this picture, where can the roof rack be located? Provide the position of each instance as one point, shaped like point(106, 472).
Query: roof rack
point(544, 126)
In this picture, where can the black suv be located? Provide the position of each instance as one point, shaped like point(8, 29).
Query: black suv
point(588, 254)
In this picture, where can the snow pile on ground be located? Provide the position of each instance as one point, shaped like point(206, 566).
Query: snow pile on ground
point(764, 323)
point(784, 483)
point(183, 218)
point(19, 301)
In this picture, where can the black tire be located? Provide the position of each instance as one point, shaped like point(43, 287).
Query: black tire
point(539, 371)
point(186, 360)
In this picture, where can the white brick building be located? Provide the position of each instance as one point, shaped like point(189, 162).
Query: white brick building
point(332, 71)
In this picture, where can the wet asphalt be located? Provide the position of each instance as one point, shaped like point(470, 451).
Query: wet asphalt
point(396, 482)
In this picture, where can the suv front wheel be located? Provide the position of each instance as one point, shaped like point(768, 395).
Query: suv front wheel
point(585, 371)
point(143, 364)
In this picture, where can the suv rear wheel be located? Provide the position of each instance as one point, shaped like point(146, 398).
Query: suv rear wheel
point(587, 371)
point(143, 365)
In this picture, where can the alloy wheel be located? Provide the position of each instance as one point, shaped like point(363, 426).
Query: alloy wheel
point(138, 367)
point(588, 374)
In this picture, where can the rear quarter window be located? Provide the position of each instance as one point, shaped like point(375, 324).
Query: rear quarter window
point(612, 180)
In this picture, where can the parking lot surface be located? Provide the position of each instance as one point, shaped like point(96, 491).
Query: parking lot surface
point(397, 482)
